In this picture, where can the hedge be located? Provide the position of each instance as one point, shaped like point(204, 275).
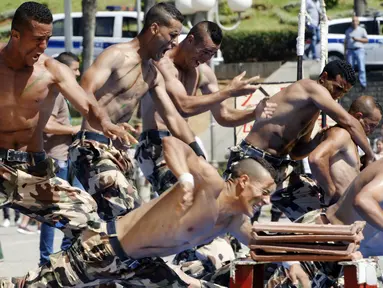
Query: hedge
point(259, 46)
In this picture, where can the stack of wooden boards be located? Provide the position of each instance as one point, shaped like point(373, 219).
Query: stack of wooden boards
point(275, 242)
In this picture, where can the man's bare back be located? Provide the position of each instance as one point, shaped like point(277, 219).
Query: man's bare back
point(293, 119)
point(299, 105)
point(335, 160)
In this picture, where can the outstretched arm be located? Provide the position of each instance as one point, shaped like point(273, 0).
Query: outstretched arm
point(189, 106)
point(183, 162)
point(54, 127)
point(323, 100)
point(225, 115)
point(173, 120)
point(81, 101)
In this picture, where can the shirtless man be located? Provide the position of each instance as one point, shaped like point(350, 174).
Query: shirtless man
point(335, 161)
point(288, 134)
point(30, 82)
point(185, 71)
point(122, 249)
point(119, 78)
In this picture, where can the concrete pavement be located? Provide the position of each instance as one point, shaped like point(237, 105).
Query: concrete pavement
point(21, 252)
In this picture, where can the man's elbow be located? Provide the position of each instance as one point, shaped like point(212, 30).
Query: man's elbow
point(359, 202)
point(314, 158)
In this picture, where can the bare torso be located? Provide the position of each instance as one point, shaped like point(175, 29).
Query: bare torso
point(161, 228)
point(294, 117)
point(28, 97)
point(189, 78)
point(344, 165)
point(126, 86)
point(344, 212)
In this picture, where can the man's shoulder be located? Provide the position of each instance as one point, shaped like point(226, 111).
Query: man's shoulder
point(338, 133)
point(308, 85)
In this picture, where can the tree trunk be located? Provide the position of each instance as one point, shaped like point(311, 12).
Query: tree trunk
point(148, 4)
point(360, 7)
point(89, 8)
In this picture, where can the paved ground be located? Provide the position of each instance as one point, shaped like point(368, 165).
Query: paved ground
point(21, 252)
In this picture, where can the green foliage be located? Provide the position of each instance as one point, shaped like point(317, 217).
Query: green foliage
point(224, 8)
point(259, 46)
point(330, 4)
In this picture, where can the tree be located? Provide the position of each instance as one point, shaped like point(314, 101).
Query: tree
point(148, 4)
point(360, 7)
point(89, 8)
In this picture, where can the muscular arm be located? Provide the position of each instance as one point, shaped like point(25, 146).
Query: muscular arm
point(189, 106)
point(81, 101)
point(241, 229)
point(335, 140)
point(322, 99)
point(180, 159)
point(367, 203)
point(223, 114)
point(54, 127)
point(168, 112)
point(100, 71)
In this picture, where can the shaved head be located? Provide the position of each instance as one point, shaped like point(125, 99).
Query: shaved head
point(257, 170)
point(365, 105)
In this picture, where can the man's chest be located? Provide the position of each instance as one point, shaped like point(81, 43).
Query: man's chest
point(27, 89)
point(189, 80)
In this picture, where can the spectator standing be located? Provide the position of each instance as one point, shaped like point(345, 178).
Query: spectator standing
point(312, 25)
point(356, 39)
point(56, 143)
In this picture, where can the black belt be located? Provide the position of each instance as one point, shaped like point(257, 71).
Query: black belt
point(252, 151)
point(116, 246)
point(10, 155)
point(154, 134)
point(88, 135)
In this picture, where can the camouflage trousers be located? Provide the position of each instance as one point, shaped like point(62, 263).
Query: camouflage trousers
point(35, 191)
point(150, 158)
point(295, 195)
point(91, 261)
point(106, 173)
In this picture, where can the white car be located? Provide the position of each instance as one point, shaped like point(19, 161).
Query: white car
point(374, 47)
point(111, 27)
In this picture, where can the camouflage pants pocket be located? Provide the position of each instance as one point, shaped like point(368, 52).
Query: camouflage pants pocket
point(114, 193)
point(56, 202)
point(299, 195)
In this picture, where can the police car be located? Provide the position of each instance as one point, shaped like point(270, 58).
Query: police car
point(111, 27)
point(374, 47)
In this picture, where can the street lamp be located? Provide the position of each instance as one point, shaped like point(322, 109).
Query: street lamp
point(211, 7)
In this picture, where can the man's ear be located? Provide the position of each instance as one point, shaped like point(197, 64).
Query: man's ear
point(191, 38)
point(243, 180)
point(154, 28)
point(15, 34)
point(323, 77)
point(358, 115)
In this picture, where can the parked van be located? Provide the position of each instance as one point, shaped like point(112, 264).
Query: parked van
point(111, 27)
